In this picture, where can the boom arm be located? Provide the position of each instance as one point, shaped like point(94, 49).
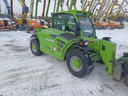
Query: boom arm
point(119, 10)
point(43, 9)
point(75, 4)
point(25, 9)
point(72, 2)
point(36, 8)
point(31, 9)
point(11, 9)
point(61, 5)
point(8, 8)
point(83, 5)
point(47, 10)
point(54, 6)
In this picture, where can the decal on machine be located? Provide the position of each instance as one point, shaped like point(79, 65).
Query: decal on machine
point(47, 47)
point(96, 42)
point(50, 40)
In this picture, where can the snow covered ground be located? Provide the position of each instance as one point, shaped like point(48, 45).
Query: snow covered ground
point(23, 74)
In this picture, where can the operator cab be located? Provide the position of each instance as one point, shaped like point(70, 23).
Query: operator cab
point(66, 21)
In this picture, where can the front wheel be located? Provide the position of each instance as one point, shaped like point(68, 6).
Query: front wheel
point(79, 63)
point(35, 47)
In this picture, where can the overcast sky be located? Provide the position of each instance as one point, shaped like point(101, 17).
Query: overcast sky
point(18, 9)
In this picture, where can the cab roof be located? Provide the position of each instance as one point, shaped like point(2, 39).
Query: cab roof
point(74, 12)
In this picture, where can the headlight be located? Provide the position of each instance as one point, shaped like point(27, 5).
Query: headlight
point(107, 38)
point(86, 43)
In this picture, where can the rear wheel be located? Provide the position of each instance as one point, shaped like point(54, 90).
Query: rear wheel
point(15, 28)
point(35, 47)
point(99, 27)
point(112, 27)
point(27, 30)
point(20, 28)
point(79, 63)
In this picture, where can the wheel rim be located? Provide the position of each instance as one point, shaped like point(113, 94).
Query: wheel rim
point(34, 48)
point(75, 63)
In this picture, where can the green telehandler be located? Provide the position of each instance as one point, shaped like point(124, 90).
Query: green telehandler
point(73, 38)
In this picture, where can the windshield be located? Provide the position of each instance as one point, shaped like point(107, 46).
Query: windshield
point(86, 26)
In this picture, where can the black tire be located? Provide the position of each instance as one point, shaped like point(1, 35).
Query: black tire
point(34, 30)
point(85, 60)
point(5, 22)
point(111, 27)
point(27, 30)
point(95, 27)
point(15, 28)
point(99, 27)
point(100, 61)
point(36, 51)
point(20, 28)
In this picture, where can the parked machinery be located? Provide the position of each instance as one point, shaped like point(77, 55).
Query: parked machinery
point(7, 14)
point(102, 16)
point(37, 23)
point(79, 45)
point(7, 22)
point(22, 22)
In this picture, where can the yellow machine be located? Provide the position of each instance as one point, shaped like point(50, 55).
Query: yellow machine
point(67, 4)
point(117, 14)
point(61, 4)
point(21, 21)
point(95, 11)
point(74, 3)
point(84, 4)
point(110, 9)
point(54, 6)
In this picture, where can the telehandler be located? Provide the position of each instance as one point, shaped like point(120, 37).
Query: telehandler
point(79, 45)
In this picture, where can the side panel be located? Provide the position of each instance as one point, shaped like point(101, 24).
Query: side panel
point(55, 45)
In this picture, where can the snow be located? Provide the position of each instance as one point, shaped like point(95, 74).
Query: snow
point(23, 74)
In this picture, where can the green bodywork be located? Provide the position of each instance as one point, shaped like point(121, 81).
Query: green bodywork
point(34, 47)
point(51, 42)
point(36, 8)
point(77, 63)
point(70, 8)
point(58, 5)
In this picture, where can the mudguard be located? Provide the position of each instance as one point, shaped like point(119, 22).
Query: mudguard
point(34, 36)
point(87, 48)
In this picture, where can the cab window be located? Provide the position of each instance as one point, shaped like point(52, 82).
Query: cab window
point(64, 22)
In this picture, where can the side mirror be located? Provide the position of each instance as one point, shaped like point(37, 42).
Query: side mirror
point(77, 29)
